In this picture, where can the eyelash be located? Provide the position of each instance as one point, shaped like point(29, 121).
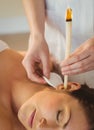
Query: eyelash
point(58, 114)
point(57, 118)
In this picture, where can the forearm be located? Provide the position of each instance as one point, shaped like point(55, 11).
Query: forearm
point(35, 12)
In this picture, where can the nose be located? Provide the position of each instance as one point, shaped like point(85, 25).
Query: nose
point(42, 123)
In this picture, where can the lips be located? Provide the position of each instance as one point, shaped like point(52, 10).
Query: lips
point(31, 119)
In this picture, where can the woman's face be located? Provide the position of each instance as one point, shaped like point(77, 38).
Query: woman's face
point(52, 110)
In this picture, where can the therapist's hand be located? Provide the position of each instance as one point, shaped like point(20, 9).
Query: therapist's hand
point(38, 53)
point(82, 60)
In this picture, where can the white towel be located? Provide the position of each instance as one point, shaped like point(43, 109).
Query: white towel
point(3, 46)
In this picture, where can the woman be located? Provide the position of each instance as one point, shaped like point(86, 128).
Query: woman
point(53, 35)
point(38, 106)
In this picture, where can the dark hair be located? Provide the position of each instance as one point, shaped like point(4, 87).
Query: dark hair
point(85, 96)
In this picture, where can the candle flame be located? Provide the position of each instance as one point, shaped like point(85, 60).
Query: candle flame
point(69, 14)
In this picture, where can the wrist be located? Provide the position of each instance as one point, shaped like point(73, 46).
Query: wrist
point(37, 35)
point(36, 38)
point(37, 30)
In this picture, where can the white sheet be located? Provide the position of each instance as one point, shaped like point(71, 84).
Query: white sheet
point(3, 46)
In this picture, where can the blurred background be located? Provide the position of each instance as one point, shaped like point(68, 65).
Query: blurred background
point(14, 27)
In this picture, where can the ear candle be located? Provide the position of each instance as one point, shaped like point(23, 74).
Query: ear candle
point(68, 39)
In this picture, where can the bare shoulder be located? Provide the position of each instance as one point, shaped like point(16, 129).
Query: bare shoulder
point(9, 121)
point(23, 53)
point(11, 63)
point(5, 121)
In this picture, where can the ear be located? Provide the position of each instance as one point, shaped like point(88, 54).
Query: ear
point(72, 86)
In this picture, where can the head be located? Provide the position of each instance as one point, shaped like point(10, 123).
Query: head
point(59, 109)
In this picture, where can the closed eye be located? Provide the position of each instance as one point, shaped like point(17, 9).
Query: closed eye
point(59, 114)
point(65, 125)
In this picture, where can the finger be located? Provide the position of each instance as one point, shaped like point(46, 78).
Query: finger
point(81, 65)
point(73, 72)
point(78, 71)
point(75, 58)
point(32, 74)
point(37, 78)
point(46, 66)
point(79, 49)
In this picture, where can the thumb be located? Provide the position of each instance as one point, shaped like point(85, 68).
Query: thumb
point(46, 66)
